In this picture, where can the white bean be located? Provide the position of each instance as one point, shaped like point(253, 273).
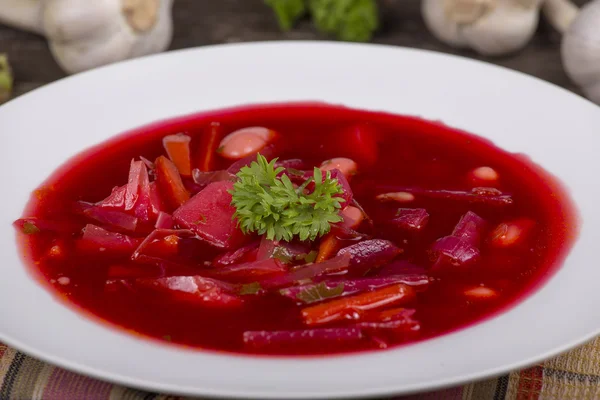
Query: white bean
point(347, 166)
point(243, 142)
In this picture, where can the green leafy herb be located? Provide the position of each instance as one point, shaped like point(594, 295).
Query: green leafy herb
point(272, 206)
point(30, 229)
point(167, 338)
point(250, 288)
point(6, 79)
point(349, 20)
point(287, 11)
point(282, 254)
point(319, 292)
point(310, 257)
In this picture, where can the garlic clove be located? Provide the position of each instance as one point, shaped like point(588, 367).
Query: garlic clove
point(580, 50)
point(85, 34)
point(467, 11)
point(141, 15)
point(505, 29)
point(69, 21)
point(490, 27)
point(439, 22)
point(78, 57)
point(159, 38)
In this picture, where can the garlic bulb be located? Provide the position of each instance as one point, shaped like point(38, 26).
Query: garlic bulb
point(84, 34)
point(580, 47)
point(490, 27)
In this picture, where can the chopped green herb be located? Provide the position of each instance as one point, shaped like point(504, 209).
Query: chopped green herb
point(287, 11)
point(349, 20)
point(30, 229)
point(282, 255)
point(250, 288)
point(220, 149)
point(167, 338)
point(310, 257)
point(6, 79)
point(320, 292)
point(272, 206)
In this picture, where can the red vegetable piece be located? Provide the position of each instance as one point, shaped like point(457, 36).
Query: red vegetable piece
point(352, 307)
point(193, 290)
point(461, 248)
point(202, 179)
point(116, 198)
point(309, 271)
point(161, 245)
point(470, 228)
point(209, 214)
point(170, 185)
point(138, 183)
point(208, 147)
point(346, 287)
point(266, 249)
point(485, 196)
point(178, 149)
point(101, 241)
point(114, 219)
point(453, 251)
point(31, 226)
point(250, 272)
point(370, 254)
point(328, 247)
point(164, 221)
point(237, 256)
point(411, 219)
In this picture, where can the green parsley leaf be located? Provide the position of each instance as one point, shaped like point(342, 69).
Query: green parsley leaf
point(348, 20)
point(287, 11)
point(29, 228)
point(319, 292)
point(250, 288)
point(310, 257)
point(271, 205)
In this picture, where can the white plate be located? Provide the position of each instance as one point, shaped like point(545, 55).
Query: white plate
point(556, 128)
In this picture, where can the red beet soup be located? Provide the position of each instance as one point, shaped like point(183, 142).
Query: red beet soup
point(296, 229)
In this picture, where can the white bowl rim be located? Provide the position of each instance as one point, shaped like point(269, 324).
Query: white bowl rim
point(583, 106)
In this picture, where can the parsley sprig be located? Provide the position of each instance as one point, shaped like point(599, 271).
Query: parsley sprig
point(270, 205)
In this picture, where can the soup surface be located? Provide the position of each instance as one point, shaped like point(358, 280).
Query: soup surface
point(295, 229)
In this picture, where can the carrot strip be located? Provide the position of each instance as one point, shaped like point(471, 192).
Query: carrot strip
point(178, 149)
point(343, 308)
point(170, 184)
point(328, 247)
point(209, 147)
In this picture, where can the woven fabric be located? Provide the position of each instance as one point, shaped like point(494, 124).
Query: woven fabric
point(572, 376)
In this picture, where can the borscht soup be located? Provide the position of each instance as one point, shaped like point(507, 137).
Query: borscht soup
point(295, 229)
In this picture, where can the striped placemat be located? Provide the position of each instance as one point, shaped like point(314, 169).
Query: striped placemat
point(572, 376)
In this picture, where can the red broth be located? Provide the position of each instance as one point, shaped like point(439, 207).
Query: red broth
point(394, 154)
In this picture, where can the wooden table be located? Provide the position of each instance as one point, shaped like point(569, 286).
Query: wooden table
point(202, 22)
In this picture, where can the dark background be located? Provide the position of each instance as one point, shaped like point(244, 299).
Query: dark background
point(202, 22)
